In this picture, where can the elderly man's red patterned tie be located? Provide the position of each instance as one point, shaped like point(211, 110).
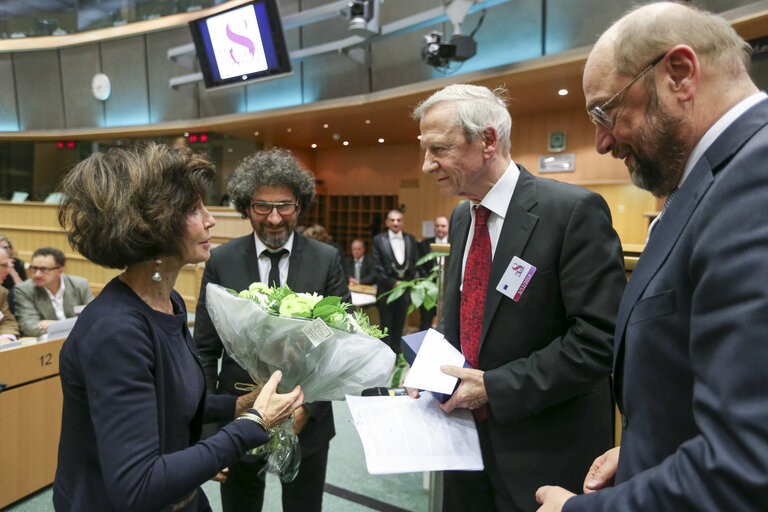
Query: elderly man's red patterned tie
point(473, 294)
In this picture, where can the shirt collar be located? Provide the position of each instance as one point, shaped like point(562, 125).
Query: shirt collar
point(261, 247)
point(60, 293)
point(497, 199)
point(718, 128)
point(392, 234)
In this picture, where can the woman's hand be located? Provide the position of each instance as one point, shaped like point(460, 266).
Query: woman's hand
point(275, 407)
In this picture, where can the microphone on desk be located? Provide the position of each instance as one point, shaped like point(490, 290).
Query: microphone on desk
point(384, 392)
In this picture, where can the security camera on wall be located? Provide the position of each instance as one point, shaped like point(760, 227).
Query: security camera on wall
point(363, 17)
point(440, 55)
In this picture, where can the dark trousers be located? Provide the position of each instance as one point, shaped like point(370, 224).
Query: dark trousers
point(478, 491)
point(427, 315)
point(244, 489)
point(392, 316)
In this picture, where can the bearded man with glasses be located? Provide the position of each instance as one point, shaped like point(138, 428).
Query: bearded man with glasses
point(271, 190)
point(690, 351)
point(49, 294)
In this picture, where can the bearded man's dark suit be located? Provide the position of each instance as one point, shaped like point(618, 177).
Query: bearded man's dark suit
point(691, 351)
point(393, 315)
point(313, 267)
point(546, 358)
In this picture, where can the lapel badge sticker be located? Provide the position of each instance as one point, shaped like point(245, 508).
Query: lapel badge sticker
point(516, 278)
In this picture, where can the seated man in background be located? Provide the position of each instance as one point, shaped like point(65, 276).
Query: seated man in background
point(359, 267)
point(49, 294)
point(9, 327)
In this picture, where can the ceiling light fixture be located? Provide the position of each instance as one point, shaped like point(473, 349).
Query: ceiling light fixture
point(562, 92)
point(381, 141)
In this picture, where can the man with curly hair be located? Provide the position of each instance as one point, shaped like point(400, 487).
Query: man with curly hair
point(271, 190)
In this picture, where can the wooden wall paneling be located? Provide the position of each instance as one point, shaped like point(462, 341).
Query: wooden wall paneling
point(628, 204)
point(374, 169)
point(30, 440)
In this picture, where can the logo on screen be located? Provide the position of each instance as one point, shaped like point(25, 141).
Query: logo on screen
point(236, 42)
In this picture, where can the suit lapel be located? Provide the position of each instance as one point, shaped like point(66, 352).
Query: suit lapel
point(294, 263)
point(70, 297)
point(250, 258)
point(679, 212)
point(44, 303)
point(515, 233)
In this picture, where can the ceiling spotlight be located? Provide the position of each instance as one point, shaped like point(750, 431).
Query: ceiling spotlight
point(346, 143)
point(381, 141)
point(314, 146)
point(289, 130)
point(256, 133)
point(562, 92)
point(367, 121)
point(325, 125)
point(418, 137)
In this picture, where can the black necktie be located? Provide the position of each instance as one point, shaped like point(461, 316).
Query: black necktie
point(274, 269)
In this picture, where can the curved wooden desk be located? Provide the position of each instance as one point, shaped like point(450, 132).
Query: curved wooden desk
point(30, 418)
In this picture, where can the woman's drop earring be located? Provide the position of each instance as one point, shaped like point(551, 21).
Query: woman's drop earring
point(156, 277)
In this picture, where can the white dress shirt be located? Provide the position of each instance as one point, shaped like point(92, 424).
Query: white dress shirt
point(265, 264)
point(397, 242)
point(57, 300)
point(497, 200)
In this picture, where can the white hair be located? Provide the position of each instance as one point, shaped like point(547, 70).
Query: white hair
point(477, 108)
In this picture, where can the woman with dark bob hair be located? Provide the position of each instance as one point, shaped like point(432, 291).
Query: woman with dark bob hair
point(134, 390)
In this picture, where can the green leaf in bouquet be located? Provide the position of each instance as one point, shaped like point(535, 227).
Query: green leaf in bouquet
point(363, 323)
point(328, 301)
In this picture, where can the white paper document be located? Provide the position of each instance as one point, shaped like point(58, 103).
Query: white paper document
point(425, 372)
point(402, 435)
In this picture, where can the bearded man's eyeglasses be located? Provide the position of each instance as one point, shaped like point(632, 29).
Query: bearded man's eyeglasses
point(285, 209)
point(598, 115)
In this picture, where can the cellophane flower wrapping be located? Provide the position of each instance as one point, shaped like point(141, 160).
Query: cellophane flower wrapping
point(327, 363)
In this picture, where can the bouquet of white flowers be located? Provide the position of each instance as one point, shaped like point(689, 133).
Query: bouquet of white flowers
point(311, 339)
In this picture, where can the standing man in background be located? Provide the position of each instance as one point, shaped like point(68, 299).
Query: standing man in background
point(669, 90)
point(532, 288)
point(359, 267)
point(441, 237)
point(49, 294)
point(394, 255)
point(271, 190)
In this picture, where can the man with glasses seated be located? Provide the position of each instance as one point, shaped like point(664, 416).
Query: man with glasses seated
point(49, 294)
point(271, 190)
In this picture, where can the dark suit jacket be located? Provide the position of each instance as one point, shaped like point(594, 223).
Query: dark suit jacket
point(384, 258)
point(313, 267)
point(367, 270)
point(547, 357)
point(691, 351)
point(134, 404)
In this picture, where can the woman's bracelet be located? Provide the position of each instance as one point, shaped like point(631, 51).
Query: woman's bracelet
point(253, 417)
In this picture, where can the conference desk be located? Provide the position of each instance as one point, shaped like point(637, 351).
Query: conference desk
point(30, 418)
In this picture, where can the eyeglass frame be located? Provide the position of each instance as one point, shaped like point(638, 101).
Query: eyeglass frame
point(274, 206)
point(597, 113)
point(43, 270)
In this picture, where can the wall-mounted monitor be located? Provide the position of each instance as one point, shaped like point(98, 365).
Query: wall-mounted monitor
point(241, 44)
